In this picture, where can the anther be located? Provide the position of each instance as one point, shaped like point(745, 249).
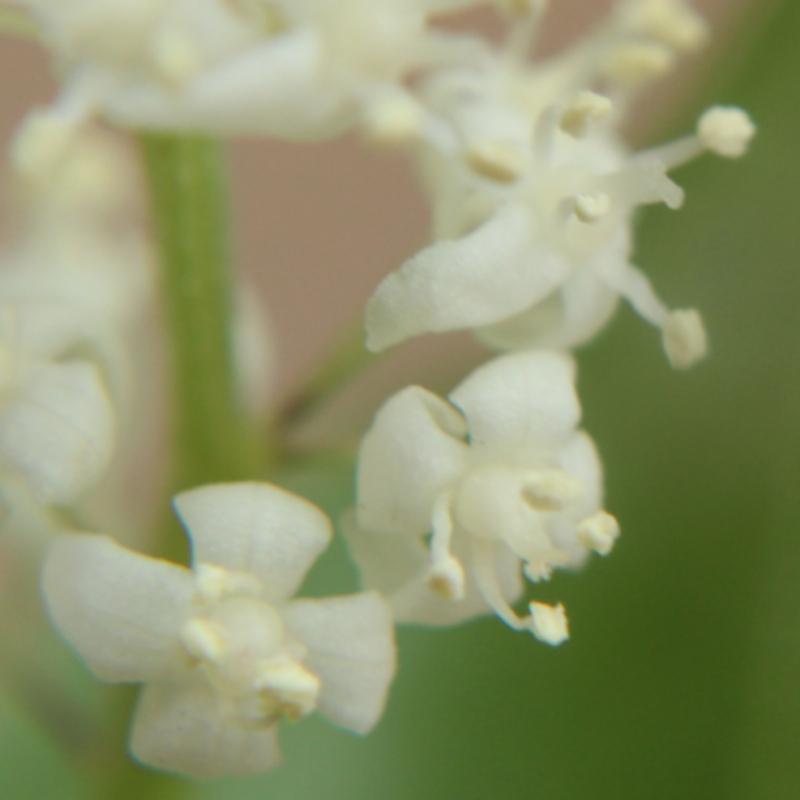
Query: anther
point(583, 109)
point(591, 208)
point(446, 579)
point(673, 22)
point(726, 131)
point(684, 338)
point(496, 160)
point(393, 120)
point(634, 64)
point(599, 532)
point(203, 640)
point(549, 623)
point(549, 490)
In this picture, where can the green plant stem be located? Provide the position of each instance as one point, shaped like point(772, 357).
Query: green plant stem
point(213, 439)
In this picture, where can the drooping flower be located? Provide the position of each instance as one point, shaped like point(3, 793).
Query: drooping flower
point(502, 480)
point(534, 193)
point(302, 69)
point(222, 648)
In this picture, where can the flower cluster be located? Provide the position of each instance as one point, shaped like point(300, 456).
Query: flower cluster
point(533, 191)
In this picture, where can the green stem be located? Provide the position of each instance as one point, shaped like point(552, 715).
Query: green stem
point(213, 439)
point(187, 182)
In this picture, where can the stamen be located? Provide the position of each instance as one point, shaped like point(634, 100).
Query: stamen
point(42, 140)
point(483, 554)
point(599, 532)
point(726, 131)
point(446, 574)
point(550, 490)
point(213, 583)
point(591, 208)
point(549, 623)
point(203, 640)
point(496, 160)
point(291, 684)
point(544, 134)
point(581, 111)
point(644, 180)
point(634, 64)
point(684, 338)
point(672, 22)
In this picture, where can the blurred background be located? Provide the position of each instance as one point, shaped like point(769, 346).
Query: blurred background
point(682, 678)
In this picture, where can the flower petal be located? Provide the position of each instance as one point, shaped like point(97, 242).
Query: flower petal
point(278, 89)
point(568, 318)
point(482, 278)
point(255, 527)
point(180, 726)
point(414, 450)
point(59, 431)
point(351, 649)
point(522, 398)
point(120, 610)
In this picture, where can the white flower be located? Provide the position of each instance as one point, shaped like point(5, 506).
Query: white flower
point(302, 69)
point(57, 424)
point(223, 650)
point(499, 476)
point(534, 193)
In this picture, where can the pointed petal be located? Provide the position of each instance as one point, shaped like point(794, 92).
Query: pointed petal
point(120, 610)
point(526, 397)
point(180, 726)
point(257, 528)
point(279, 89)
point(351, 649)
point(59, 431)
point(484, 277)
point(414, 450)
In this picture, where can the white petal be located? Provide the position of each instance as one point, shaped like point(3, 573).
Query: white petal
point(569, 317)
point(352, 651)
point(179, 726)
point(414, 450)
point(59, 431)
point(526, 397)
point(279, 89)
point(482, 278)
point(255, 527)
point(120, 610)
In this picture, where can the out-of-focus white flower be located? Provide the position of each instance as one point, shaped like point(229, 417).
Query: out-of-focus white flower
point(224, 651)
point(500, 477)
point(303, 69)
point(57, 425)
point(534, 193)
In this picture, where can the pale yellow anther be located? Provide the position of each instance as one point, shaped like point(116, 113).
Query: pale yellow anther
point(548, 490)
point(213, 583)
point(673, 22)
point(294, 689)
point(203, 640)
point(176, 57)
point(591, 208)
point(496, 160)
point(549, 623)
point(583, 109)
point(726, 131)
point(636, 63)
point(684, 338)
point(599, 532)
point(446, 579)
point(394, 120)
